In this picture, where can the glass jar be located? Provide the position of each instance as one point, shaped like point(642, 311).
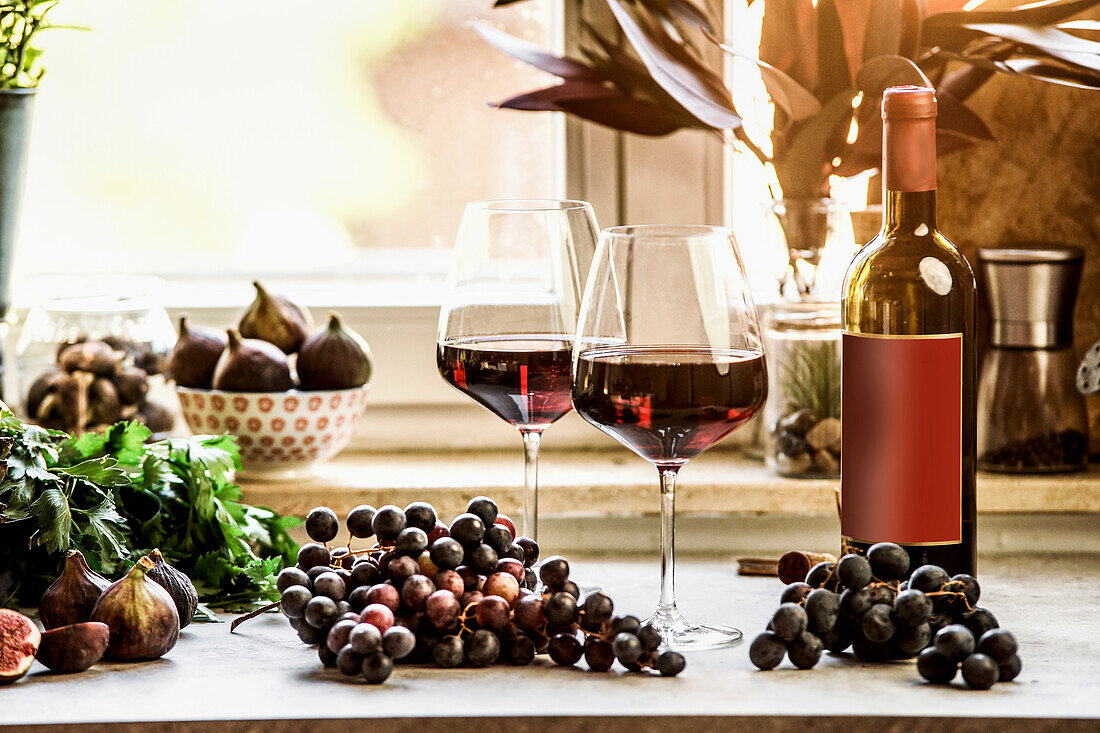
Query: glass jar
point(92, 352)
point(802, 342)
point(818, 237)
point(1031, 418)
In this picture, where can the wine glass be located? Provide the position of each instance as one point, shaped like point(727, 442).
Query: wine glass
point(668, 361)
point(510, 313)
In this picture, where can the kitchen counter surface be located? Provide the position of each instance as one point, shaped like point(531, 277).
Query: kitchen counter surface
point(262, 678)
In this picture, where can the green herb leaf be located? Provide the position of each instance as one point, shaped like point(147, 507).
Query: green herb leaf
point(55, 521)
point(102, 471)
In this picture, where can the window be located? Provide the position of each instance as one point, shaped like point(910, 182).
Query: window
point(276, 138)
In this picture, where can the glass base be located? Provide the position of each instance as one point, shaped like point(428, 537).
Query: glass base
point(682, 635)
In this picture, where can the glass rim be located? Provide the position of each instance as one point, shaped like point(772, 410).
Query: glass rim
point(532, 205)
point(75, 294)
point(669, 231)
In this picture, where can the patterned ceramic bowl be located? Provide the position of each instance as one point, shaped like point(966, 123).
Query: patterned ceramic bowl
point(278, 432)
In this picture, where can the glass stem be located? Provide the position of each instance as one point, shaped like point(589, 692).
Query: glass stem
point(531, 440)
point(667, 605)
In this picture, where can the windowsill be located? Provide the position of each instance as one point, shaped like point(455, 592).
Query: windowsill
point(590, 499)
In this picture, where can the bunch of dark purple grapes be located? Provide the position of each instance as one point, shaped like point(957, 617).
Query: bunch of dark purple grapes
point(464, 593)
point(863, 603)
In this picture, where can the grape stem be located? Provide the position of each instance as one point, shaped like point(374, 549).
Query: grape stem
point(252, 614)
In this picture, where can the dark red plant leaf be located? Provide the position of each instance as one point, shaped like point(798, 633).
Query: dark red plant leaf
point(954, 117)
point(967, 80)
point(1052, 73)
point(887, 71)
point(1045, 40)
point(796, 101)
point(853, 16)
point(832, 61)
point(685, 10)
point(883, 35)
point(803, 165)
point(713, 109)
point(788, 39)
point(625, 114)
point(502, 3)
point(911, 17)
point(1046, 12)
point(548, 98)
point(528, 52)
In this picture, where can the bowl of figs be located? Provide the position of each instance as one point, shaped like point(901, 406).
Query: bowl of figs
point(290, 393)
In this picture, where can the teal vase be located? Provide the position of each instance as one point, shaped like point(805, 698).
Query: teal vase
point(15, 128)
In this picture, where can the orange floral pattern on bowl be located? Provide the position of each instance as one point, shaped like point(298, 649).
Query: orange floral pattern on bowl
point(277, 431)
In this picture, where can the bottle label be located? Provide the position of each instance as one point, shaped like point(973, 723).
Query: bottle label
point(901, 451)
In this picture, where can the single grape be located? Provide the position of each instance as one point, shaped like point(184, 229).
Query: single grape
point(449, 580)
point(627, 647)
point(347, 660)
point(572, 589)
point(360, 521)
point(503, 585)
point(379, 615)
point(955, 642)
point(492, 612)
point(338, 635)
point(670, 663)
point(377, 668)
point(447, 553)
point(854, 571)
point(805, 650)
point(328, 657)
point(967, 585)
point(291, 576)
point(554, 572)
point(499, 538)
point(467, 529)
point(767, 650)
point(912, 639)
point(421, 515)
point(629, 624)
point(512, 567)
point(913, 607)
point(483, 558)
point(842, 636)
point(364, 638)
point(293, 601)
point(928, 578)
point(530, 613)
point(650, 638)
point(365, 573)
point(882, 594)
point(442, 609)
point(598, 607)
point(438, 531)
point(998, 644)
point(388, 522)
point(936, 667)
point(321, 612)
point(938, 621)
point(979, 671)
point(483, 647)
point(313, 554)
point(515, 552)
point(383, 561)
point(310, 635)
point(866, 650)
point(530, 550)
point(401, 568)
point(449, 652)
point(322, 524)
point(789, 621)
point(411, 541)
point(822, 609)
point(854, 603)
point(979, 621)
point(821, 574)
point(565, 649)
point(561, 609)
point(416, 591)
point(877, 624)
point(795, 593)
point(484, 508)
point(398, 642)
point(888, 561)
point(1010, 670)
point(384, 594)
point(470, 597)
point(331, 585)
point(598, 654)
point(521, 648)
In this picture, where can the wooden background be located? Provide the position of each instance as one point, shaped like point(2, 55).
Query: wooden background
point(1039, 182)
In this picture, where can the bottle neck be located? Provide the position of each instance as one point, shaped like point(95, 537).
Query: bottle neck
point(908, 210)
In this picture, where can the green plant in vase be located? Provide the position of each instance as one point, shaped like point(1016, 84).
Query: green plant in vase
point(806, 433)
point(824, 65)
point(20, 22)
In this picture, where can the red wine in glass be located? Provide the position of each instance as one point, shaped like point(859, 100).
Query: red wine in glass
point(669, 403)
point(524, 379)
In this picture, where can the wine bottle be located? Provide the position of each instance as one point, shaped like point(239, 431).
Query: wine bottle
point(908, 372)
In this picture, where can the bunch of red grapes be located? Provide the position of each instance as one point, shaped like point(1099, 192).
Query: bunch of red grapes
point(863, 603)
point(450, 595)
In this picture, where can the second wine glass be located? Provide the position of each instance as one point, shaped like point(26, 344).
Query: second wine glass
point(509, 316)
point(668, 361)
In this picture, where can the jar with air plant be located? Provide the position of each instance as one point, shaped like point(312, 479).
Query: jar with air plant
point(802, 341)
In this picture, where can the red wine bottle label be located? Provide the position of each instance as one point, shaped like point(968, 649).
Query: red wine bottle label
point(901, 451)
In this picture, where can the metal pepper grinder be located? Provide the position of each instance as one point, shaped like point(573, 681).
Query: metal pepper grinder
point(1031, 417)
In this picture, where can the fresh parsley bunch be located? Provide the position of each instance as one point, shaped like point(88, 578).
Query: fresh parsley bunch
point(115, 497)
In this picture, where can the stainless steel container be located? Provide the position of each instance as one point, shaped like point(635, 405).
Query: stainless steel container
point(1031, 418)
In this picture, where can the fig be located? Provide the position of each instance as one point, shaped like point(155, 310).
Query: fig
point(273, 318)
point(178, 585)
point(19, 639)
point(90, 356)
point(334, 358)
point(45, 384)
point(141, 615)
point(75, 647)
point(195, 355)
point(132, 384)
point(70, 599)
point(252, 365)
